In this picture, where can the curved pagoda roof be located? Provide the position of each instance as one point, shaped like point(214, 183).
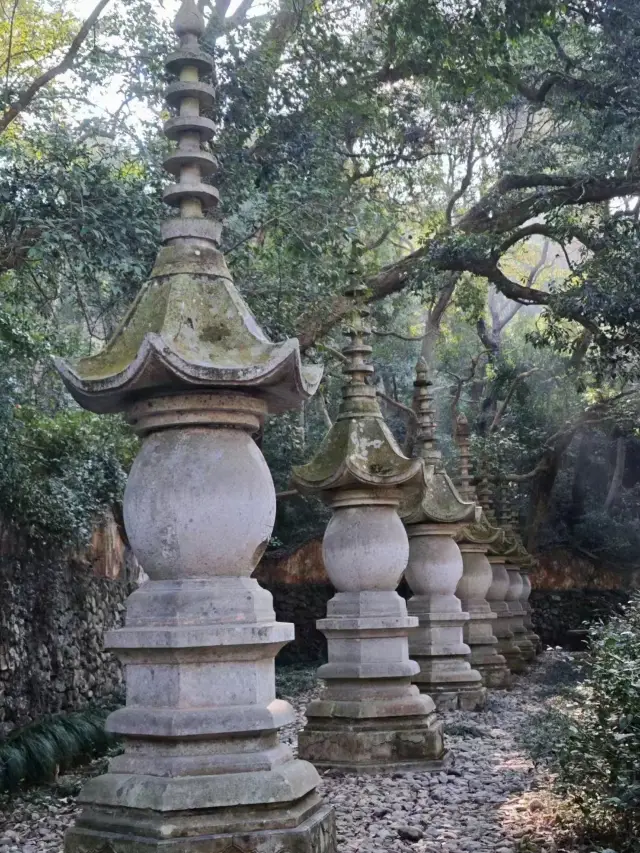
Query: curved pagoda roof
point(359, 450)
point(189, 328)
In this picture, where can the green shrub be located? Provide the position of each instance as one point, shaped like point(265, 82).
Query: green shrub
point(35, 754)
point(593, 743)
point(59, 471)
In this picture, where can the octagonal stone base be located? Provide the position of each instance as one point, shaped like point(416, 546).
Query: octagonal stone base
point(307, 826)
point(461, 699)
point(374, 746)
point(513, 655)
point(495, 676)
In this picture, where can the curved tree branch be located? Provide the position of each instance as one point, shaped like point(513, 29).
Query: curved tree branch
point(66, 63)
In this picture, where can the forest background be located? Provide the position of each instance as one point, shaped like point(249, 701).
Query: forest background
point(476, 164)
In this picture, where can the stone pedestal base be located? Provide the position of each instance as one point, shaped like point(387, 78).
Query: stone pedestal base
point(498, 591)
point(478, 631)
point(437, 644)
point(445, 669)
point(512, 598)
point(370, 717)
point(523, 642)
point(460, 699)
point(496, 676)
point(374, 746)
point(511, 652)
point(306, 826)
point(526, 609)
point(536, 642)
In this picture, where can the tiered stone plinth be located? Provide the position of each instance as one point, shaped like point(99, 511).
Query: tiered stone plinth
point(526, 607)
point(472, 590)
point(520, 633)
point(203, 767)
point(370, 718)
point(437, 644)
point(502, 628)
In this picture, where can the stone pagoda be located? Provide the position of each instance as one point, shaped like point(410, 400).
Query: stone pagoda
point(499, 591)
point(526, 567)
point(203, 767)
point(474, 541)
point(370, 716)
point(517, 556)
point(434, 513)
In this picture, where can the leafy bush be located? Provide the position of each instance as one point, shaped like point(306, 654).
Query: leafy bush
point(59, 471)
point(594, 745)
point(35, 754)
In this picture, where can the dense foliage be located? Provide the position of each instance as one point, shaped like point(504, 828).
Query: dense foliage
point(594, 744)
point(476, 164)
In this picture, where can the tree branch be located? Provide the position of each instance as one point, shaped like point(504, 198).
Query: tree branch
point(396, 335)
point(466, 181)
point(497, 215)
point(407, 410)
point(27, 95)
point(503, 405)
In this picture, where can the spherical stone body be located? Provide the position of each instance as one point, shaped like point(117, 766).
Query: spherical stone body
point(477, 577)
point(199, 503)
point(365, 548)
point(500, 583)
point(435, 565)
point(514, 590)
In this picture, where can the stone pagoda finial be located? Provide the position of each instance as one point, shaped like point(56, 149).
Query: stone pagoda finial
point(359, 450)
point(462, 432)
point(369, 717)
point(189, 328)
point(203, 766)
point(425, 444)
point(189, 162)
point(486, 497)
point(435, 499)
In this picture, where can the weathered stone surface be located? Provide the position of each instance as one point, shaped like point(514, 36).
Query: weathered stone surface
point(433, 515)
point(502, 630)
point(516, 611)
point(437, 645)
point(369, 715)
point(472, 590)
point(202, 754)
point(203, 769)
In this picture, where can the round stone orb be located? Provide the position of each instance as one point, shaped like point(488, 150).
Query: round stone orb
point(365, 548)
point(435, 565)
point(199, 503)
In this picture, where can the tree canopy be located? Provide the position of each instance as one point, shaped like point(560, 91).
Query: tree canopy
point(475, 163)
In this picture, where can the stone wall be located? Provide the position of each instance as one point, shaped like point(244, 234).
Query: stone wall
point(568, 591)
point(557, 613)
point(54, 611)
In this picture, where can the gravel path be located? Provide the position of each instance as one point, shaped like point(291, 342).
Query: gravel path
point(489, 800)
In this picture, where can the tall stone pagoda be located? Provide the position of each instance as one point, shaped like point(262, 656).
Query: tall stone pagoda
point(516, 556)
point(474, 541)
point(370, 717)
point(433, 513)
point(203, 767)
point(500, 589)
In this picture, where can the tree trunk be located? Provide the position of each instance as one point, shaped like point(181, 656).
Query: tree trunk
point(618, 473)
point(578, 486)
point(542, 487)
